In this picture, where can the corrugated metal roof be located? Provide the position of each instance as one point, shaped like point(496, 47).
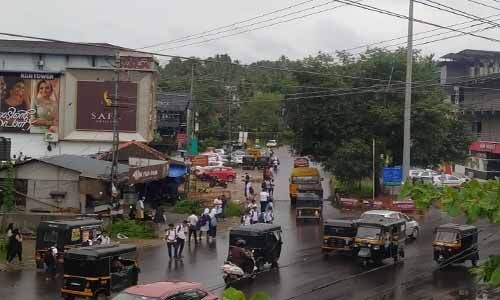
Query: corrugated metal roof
point(173, 102)
point(88, 167)
point(43, 47)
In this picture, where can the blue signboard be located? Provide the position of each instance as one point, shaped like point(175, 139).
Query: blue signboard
point(393, 176)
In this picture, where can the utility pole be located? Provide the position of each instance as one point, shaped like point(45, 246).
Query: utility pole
point(191, 115)
point(407, 107)
point(373, 170)
point(116, 132)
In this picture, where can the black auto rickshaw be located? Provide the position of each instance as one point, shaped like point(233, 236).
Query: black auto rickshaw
point(248, 162)
point(263, 240)
point(455, 243)
point(309, 206)
point(92, 271)
point(378, 238)
point(338, 236)
point(64, 234)
point(263, 162)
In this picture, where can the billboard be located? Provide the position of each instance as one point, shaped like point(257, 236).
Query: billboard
point(94, 111)
point(29, 102)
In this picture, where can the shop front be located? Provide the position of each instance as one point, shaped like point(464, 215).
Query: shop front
point(484, 161)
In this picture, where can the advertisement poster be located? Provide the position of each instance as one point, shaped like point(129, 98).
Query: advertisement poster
point(29, 102)
point(95, 105)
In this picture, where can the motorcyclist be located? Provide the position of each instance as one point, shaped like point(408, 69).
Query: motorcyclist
point(239, 256)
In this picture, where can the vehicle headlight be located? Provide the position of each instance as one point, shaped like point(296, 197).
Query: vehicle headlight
point(376, 247)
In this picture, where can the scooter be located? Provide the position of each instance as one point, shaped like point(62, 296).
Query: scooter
point(232, 272)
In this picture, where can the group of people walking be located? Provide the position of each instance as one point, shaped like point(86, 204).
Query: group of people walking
point(14, 244)
point(195, 226)
point(252, 213)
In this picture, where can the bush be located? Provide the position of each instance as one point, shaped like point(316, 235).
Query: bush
point(187, 206)
point(132, 229)
point(233, 209)
point(361, 189)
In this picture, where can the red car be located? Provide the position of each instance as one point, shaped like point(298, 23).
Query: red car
point(406, 206)
point(166, 290)
point(222, 173)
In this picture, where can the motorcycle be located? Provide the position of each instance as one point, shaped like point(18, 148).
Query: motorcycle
point(214, 181)
point(232, 273)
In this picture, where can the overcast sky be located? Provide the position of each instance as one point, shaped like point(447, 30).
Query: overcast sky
point(135, 24)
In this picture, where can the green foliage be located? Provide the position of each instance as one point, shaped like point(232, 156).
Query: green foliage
point(3, 249)
point(361, 189)
point(233, 209)
point(337, 129)
point(234, 294)
point(188, 206)
point(132, 229)
point(8, 203)
point(476, 200)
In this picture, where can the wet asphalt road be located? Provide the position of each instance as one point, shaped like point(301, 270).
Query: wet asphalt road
point(303, 272)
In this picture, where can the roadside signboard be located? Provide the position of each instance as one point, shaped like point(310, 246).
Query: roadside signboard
point(199, 160)
point(393, 176)
point(146, 173)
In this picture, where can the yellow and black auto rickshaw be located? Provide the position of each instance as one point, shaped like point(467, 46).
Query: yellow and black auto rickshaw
point(94, 271)
point(64, 234)
point(455, 243)
point(378, 238)
point(338, 236)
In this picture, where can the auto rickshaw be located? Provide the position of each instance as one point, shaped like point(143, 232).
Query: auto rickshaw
point(338, 236)
point(309, 206)
point(92, 271)
point(378, 238)
point(455, 243)
point(262, 162)
point(63, 234)
point(248, 162)
point(263, 240)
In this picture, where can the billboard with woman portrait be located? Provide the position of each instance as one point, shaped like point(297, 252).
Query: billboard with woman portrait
point(29, 102)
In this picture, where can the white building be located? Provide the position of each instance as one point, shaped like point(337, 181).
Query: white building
point(54, 97)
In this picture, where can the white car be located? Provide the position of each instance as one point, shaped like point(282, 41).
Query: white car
point(272, 143)
point(412, 226)
point(427, 175)
point(415, 172)
point(448, 180)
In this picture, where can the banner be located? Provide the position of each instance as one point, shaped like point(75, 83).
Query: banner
point(29, 102)
point(147, 173)
point(94, 109)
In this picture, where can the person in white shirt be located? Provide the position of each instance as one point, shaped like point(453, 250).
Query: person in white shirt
point(218, 207)
point(254, 216)
point(268, 215)
point(192, 222)
point(180, 231)
point(246, 219)
point(140, 209)
point(264, 197)
point(171, 238)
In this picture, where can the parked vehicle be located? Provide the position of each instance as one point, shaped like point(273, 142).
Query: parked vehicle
point(412, 226)
point(448, 180)
point(226, 174)
point(167, 290)
point(415, 172)
point(454, 243)
point(304, 180)
point(338, 236)
point(262, 162)
point(272, 143)
point(214, 181)
point(404, 206)
point(262, 240)
point(426, 176)
point(63, 234)
point(90, 272)
point(309, 206)
point(248, 162)
point(378, 238)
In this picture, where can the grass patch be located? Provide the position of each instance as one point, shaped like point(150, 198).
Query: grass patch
point(233, 209)
point(360, 189)
point(132, 229)
point(187, 207)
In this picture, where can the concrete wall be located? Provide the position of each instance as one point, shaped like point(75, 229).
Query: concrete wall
point(44, 179)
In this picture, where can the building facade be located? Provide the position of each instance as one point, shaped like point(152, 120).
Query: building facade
point(57, 98)
point(472, 81)
point(173, 119)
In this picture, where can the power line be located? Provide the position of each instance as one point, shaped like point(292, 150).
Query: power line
point(181, 39)
point(251, 24)
point(485, 5)
point(256, 28)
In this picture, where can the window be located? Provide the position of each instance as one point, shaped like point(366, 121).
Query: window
point(50, 236)
point(189, 295)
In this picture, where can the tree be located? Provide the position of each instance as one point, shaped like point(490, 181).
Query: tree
point(337, 127)
point(475, 200)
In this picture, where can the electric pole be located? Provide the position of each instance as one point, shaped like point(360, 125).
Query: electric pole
point(191, 115)
point(407, 107)
point(116, 133)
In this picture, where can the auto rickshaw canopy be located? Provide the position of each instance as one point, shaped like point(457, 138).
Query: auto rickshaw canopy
point(99, 251)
